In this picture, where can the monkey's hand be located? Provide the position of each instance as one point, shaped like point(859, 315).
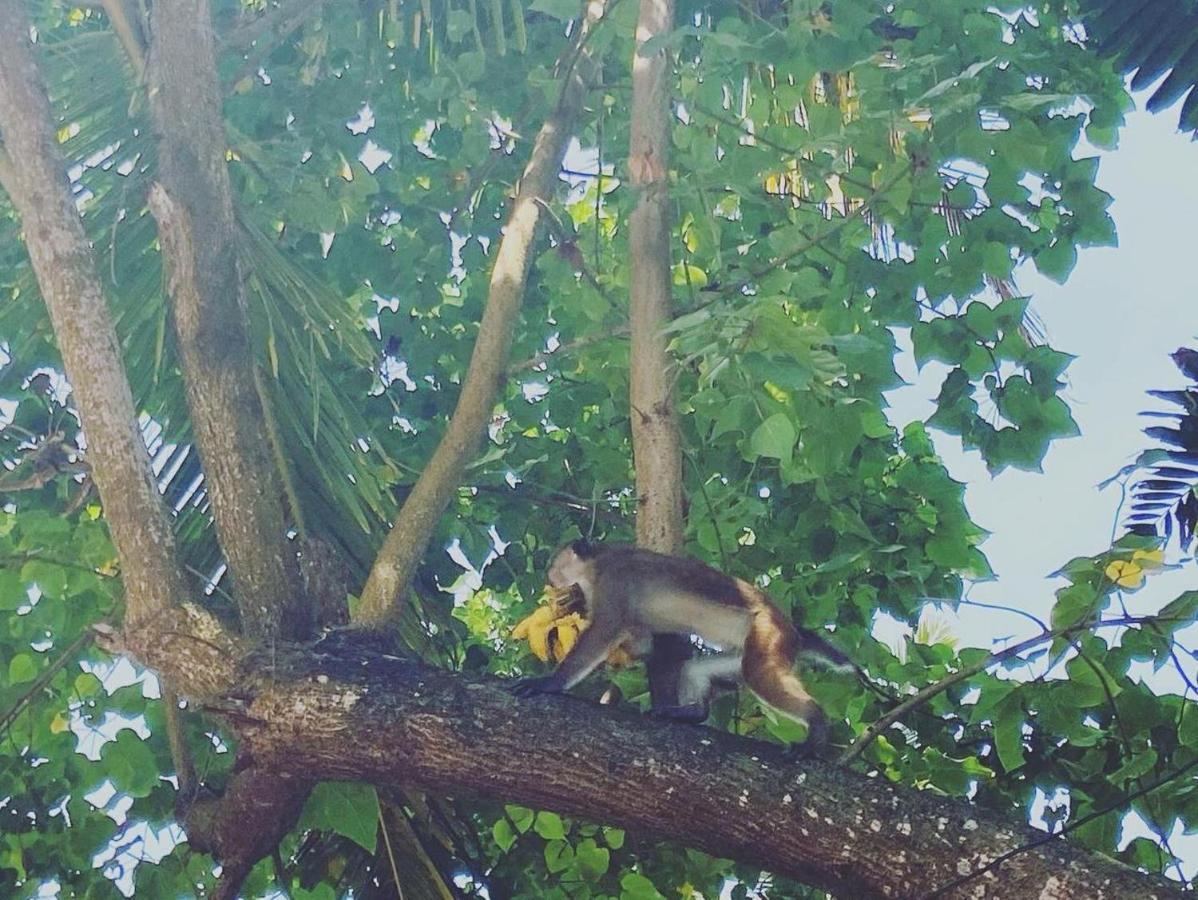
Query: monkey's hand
point(530, 687)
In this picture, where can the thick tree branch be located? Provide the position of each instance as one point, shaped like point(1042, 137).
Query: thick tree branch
point(61, 256)
point(656, 436)
point(359, 715)
point(409, 536)
point(194, 210)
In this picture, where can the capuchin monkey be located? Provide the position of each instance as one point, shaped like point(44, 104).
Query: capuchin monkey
point(632, 594)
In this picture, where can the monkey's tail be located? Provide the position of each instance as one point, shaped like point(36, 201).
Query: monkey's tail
point(815, 649)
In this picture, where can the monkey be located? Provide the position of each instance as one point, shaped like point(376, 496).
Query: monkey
point(632, 594)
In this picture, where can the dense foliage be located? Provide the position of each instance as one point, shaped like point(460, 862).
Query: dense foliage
point(839, 178)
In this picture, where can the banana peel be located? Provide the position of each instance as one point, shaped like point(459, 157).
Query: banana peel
point(552, 629)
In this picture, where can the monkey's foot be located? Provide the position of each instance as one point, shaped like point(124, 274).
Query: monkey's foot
point(530, 687)
point(690, 713)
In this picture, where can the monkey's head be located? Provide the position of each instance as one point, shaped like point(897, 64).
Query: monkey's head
point(573, 565)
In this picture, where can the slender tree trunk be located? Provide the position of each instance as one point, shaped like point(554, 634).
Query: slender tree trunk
point(194, 208)
point(408, 539)
point(656, 438)
point(36, 181)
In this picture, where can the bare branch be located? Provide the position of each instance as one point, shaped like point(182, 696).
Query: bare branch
point(409, 536)
point(35, 178)
point(542, 357)
point(279, 24)
point(194, 209)
point(63, 659)
point(282, 19)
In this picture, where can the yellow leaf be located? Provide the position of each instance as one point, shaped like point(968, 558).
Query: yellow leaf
point(1125, 574)
point(1149, 559)
point(59, 724)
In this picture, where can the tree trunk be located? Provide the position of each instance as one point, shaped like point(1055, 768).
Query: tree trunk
point(656, 439)
point(194, 210)
point(36, 181)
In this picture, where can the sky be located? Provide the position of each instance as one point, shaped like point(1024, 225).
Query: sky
point(1121, 312)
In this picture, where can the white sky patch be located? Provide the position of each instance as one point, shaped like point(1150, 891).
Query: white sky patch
point(362, 122)
point(373, 156)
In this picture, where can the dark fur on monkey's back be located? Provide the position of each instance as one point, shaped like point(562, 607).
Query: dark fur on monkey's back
point(670, 570)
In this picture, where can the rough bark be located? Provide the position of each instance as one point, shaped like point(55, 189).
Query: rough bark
point(58, 247)
point(656, 437)
point(194, 209)
point(356, 714)
point(409, 536)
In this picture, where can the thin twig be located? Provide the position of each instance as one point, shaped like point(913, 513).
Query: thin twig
point(44, 679)
point(566, 348)
point(920, 697)
point(390, 853)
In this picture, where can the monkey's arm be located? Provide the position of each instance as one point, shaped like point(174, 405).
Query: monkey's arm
point(592, 648)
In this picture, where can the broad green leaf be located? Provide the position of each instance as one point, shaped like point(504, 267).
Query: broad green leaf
point(774, 438)
point(346, 808)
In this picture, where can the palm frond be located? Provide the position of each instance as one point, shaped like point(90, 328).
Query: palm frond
point(1164, 499)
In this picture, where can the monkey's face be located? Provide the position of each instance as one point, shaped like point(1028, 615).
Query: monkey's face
point(569, 569)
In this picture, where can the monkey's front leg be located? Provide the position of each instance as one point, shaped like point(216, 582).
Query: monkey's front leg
point(592, 648)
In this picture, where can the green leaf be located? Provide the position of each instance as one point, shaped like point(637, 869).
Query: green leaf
point(346, 808)
point(550, 826)
point(1008, 733)
point(503, 834)
point(21, 668)
point(1140, 764)
point(592, 859)
point(635, 886)
point(521, 816)
point(559, 856)
point(131, 764)
point(774, 438)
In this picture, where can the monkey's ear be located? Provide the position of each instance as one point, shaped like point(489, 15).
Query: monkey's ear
point(582, 548)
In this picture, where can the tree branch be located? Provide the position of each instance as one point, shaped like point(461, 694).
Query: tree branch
point(35, 178)
point(542, 357)
point(353, 714)
point(409, 536)
point(63, 659)
point(194, 209)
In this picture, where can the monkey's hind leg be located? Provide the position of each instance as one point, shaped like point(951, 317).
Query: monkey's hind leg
point(697, 680)
point(768, 670)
